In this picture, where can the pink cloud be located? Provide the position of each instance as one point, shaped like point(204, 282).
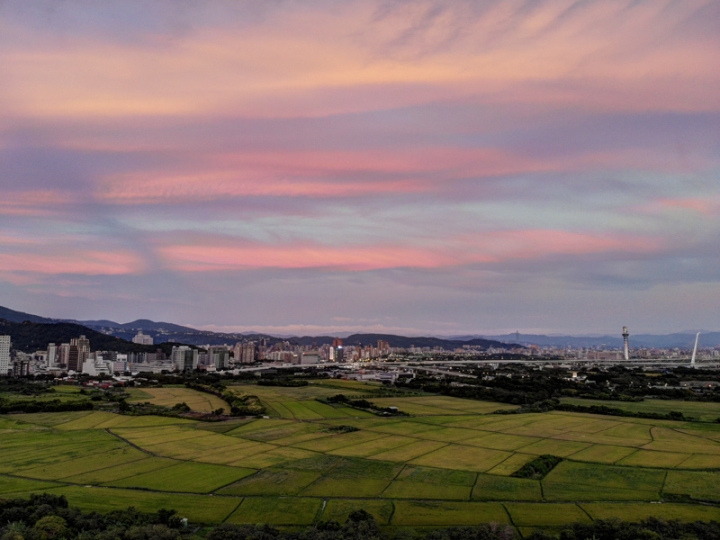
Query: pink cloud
point(707, 206)
point(537, 243)
point(488, 248)
point(32, 203)
point(191, 258)
point(702, 206)
point(313, 174)
point(72, 261)
point(327, 174)
point(163, 189)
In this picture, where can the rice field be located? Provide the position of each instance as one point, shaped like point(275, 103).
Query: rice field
point(450, 462)
point(706, 411)
point(169, 396)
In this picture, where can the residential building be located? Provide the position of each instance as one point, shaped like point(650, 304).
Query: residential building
point(309, 357)
point(184, 358)
point(63, 355)
point(5, 365)
point(51, 355)
point(79, 352)
point(142, 339)
point(218, 357)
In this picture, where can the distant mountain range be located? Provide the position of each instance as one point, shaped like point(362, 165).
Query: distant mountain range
point(59, 331)
point(163, 332)
point(682, 340)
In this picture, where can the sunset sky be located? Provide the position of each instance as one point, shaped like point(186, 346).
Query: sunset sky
point(450, 167)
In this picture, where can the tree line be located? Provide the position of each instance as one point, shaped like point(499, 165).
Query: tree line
point(46, 517)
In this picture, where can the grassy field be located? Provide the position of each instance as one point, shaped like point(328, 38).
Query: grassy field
point(167, 397)
point(300, 403)
point(705, 411)
point(63, 393)
point(278, 511)
point(449, 463)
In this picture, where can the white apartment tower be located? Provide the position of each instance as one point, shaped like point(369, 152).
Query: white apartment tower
point(51, 355)
point(5, 356)
point(142, 339)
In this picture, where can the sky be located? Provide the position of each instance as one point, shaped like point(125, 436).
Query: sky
point(420, 167)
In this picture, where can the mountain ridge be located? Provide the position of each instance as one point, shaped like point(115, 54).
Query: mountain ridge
point(169, 332)
point(30, 336)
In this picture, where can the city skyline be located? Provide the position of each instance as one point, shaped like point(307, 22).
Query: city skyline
point(439, 168)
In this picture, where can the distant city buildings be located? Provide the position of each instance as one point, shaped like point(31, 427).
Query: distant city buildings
point(76, 357)
point(142, 339)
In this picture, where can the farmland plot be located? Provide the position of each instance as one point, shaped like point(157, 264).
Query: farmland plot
point(197, 401)
point(450, 462)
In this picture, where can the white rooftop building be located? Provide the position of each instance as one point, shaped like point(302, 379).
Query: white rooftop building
point(142, 339)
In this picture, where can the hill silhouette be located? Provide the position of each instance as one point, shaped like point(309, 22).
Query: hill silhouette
point(30, 337)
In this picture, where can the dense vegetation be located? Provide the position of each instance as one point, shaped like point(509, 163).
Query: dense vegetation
point(649, 529)
point(525, 385)
point(615, 411)
point(538, 468)
point(241, 404)
point(43, 517)
point(363, 405)
point(46, 406)
point(283, 381)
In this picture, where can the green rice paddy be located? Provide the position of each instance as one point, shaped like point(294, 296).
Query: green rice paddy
point(169, 396)
point(701, 410)
point(449, 463)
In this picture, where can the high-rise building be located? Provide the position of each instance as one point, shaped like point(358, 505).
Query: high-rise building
point(248, 353)
point(5, 365)
point(79, 352)
point(245, 353)
point(51, 355)
point(336, 352)
point(184, 358)
point(219, 357)
point(64, 354)
point(142, 339)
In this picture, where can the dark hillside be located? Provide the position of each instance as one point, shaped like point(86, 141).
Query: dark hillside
point(402, 341)
point(19, 316)
point(140, 324)
point(30, 337)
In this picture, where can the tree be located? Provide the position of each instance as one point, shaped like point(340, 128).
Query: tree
point(50, 527)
